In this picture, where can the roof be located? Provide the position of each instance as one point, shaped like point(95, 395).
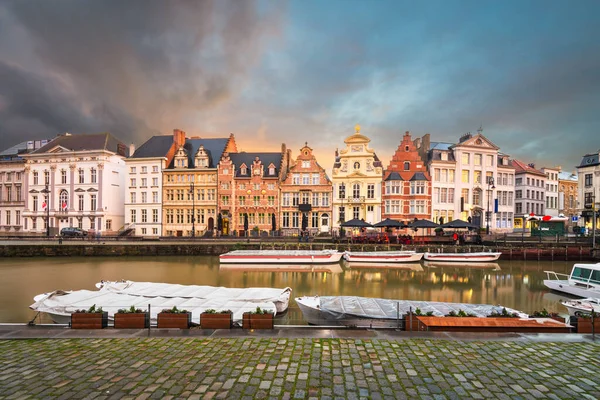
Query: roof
point(82, 142)
point(590, 160)
point(14, 150)
point(393, 176)
point(567, 176)
point(266, 159)
point(156, 146)
point(214, 149)
point(440, 146)
point(521, 167)
point(419, 176)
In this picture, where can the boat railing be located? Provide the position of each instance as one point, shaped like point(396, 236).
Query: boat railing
point(554, 276)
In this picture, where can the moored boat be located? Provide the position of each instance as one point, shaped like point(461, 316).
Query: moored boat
point(382, 256)
point(281, 256)
point(381, 313)
point(463, 257)
point(583, 281)
point(582, 307)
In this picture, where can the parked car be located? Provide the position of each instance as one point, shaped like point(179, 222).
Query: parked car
point(72, 232)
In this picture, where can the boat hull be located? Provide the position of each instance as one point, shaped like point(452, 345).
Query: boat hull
point(383, 257)
point(293, 257)
point(314, 316)
point(565, 287)
point(472, 264)
point(416, 266)
point(332, 268)
point(462, 257)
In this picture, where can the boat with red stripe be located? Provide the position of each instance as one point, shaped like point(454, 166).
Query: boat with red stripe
point(383, 256)
point(281, 257)
point(462, 257)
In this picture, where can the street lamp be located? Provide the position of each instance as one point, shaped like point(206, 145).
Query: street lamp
point(47, 193)
point(488, 214)
point(193, 210)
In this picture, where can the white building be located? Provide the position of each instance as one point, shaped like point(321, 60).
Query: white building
point(472, 178)
point(552, 205)
point(144, 184)
point(588, 173)
point(530, 193)
point(75, 180)
point(356, 178)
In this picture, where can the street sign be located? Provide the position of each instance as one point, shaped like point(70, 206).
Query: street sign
point(574, 218)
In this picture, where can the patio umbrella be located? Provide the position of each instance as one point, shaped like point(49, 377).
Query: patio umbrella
point(422, 223)
point(273, 225)
point(458, 224)
point(356, 223)
point(245, 222)
point(304, 221)
point(389, 223)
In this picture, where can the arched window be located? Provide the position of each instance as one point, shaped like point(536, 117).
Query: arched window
point(357, 165)
point(406, 166)
point(325, 220)
point(64, 200)
point(405, 148)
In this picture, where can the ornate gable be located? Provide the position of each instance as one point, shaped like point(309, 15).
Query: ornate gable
point(201, 159)
point(478, 141)
point(181, 158)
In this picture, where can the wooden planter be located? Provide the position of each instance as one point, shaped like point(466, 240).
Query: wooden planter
point(415, 322)
point(216, 321)
point(584, 325)
point(89, 320)
point(132, 321)
point(174, 320)
point(257, 321)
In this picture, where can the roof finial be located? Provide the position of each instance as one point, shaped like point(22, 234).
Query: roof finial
point(305, 144)
point(480, 129)
point(357, 128)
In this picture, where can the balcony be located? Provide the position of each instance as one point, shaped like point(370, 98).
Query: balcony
point(356, 199)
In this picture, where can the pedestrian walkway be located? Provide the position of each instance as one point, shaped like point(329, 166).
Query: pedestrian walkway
point(298, 368)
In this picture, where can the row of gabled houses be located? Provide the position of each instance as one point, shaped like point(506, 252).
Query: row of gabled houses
point(175, 185)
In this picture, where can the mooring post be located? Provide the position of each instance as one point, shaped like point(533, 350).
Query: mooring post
point(410, 316)
point(398, 313)
point(149, 314)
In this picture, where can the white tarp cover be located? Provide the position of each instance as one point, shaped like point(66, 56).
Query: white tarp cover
point(280, 297)
point(342, 307)
point(281, 252)
point(65, 303)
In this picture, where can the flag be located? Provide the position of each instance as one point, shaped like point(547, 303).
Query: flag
point(44, 205)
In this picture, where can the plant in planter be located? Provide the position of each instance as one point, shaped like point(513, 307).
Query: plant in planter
point(503, 314)
point(174, 318)
point(132, 318)
point(257, 319)
point(584, 323)
point(211, 319)
point(92, 318)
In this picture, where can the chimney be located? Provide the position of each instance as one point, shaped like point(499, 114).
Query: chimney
point(178, 138)
point(131, 149)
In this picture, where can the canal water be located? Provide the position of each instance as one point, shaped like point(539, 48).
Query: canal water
point(515, 284)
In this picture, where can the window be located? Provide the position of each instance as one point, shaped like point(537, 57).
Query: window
point(489, 161)
point(588, 180)
point(315, 179)
point(286, 199)
point(325, 220)
point(155, 168)
point(64, 200)
point(271, 170)
point(519, 208)
point(132, 196)
point(306, 179)
point(285, 219)
point(155, 197)
point(63, 176)
point(154, 181)
point(93, 172)
point(465, 176)
point(144, 197)
point(417, 187)
point(295, 179)
point(325, 199)
point(518, 194)
point(295, 220)
point(477, 197)
point(144, 170)
point(155, 215)
point(371, 191)
point(355, 212)
point(392, 206)
point(35, 177)
point(305, 164)
point(518, 181)
point(271, 200)
point(356, 190)
point(305, 198)
point(144, 182)
point(315, 199)
point(465, 158)
point(80, 202)
point(225, 200)
point(444, 177)
point(132, 182)
point(436, 175)
point(477, 159)
point(477, 177)
point(342, 191)
point(393, 187)
point(35, 202)
point(342, 212)
point(93, 202)
point(46, 177)
point(8, 217)
point(133, 217)
point(295, 199)
point(256, 200)
point(271, 186)
point(144, 216)
point(406, 166)
point(315, 220)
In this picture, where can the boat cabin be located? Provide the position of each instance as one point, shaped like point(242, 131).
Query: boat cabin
point(585, 275)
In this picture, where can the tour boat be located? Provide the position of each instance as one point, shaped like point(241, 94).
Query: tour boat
point(382, 256)
point(582, 307)
point(281, 257)
point(452, 264)
point(113, 296)
point(381, 313)
point(462, 257)
point(583, 281)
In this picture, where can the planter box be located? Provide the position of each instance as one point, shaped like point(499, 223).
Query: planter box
point(415, 323)
point(216, 321)
point(89, 320)
point(132, 321)
point(174, 320)
point(584, 325)
point(257, 321)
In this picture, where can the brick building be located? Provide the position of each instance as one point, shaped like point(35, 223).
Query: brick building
point(305, 190)
point(249, 186)
point(567, 196)
point(406, 184)
point(530, 193)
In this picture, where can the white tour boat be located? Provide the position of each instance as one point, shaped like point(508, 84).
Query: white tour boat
point(583, 281)
point(463, 257)
point(113, 296)
point(281, 257)
point(382, 256)
point(582, 307)
point(381, 313)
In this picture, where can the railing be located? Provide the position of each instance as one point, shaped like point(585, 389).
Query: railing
point(356, 199)
point(556, 274)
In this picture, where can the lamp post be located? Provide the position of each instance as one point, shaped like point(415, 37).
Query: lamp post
point(193, 210)
point(488, 214)
point(342, 220)
point(47, 193)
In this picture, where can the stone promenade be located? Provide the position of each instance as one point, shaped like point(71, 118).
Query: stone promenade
point(305, 368)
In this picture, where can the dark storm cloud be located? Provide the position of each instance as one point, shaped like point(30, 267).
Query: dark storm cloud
point(131, 67)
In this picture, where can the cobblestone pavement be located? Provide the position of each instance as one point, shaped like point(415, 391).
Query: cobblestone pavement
point(253, 368)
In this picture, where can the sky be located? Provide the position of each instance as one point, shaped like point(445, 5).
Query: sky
point(272, 72)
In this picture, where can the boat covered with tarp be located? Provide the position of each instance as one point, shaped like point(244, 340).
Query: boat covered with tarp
point(113, 296)
point(376, 312)
point(281, 256)
point(463, 257)
point(382, 256)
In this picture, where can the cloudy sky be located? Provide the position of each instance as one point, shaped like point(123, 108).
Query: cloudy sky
point(273, 72)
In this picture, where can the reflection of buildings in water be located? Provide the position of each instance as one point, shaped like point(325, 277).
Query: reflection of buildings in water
point(334, 268)
point(384, 266)
point(454, 265)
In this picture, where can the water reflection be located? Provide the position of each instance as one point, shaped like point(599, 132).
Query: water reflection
point(479, 265)
point(515, 284)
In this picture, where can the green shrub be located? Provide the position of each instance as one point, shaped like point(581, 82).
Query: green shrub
point(130, 310)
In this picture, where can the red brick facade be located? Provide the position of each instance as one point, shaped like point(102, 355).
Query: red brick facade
point(305, 190)
point(406, 185)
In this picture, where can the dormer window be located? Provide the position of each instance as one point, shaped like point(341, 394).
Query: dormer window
point(201, 158)
point(243, 170)
point(444, 156)
point(181, 159)
point(271, 170)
